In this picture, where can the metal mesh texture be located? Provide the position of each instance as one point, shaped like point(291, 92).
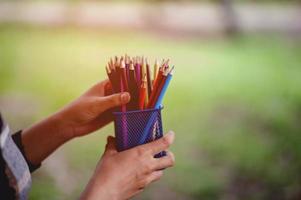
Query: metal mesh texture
point(134, 128)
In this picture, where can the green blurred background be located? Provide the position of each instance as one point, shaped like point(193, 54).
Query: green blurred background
point(234, 102)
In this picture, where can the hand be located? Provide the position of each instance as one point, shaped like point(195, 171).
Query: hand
point(86, 114)
point(90, 111)
point(121, 175)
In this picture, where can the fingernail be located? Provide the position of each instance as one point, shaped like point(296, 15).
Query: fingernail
point(170, 135)
point(125, 97)
point(110, 138)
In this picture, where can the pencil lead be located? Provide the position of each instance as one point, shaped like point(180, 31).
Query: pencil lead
point(142, 60)
point(116, 62)
point(127, 60)
point(122, 64)
point(156, 68)
point(108, 70)
point(171, 70)
point(166, 67)
point(165, 64)
point(165, 72)
point(137, 60)
point(131, 66)
point(144, 80)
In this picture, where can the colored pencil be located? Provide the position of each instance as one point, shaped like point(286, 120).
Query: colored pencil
point(123, 75)
point(133, 87)
point(137, 70)
point(158, 89)
point(110, 75)
point(133, 74)
point(142, 93)
point(155, 87)
point(164, 88)
point(149, 80)
point(156, 69)
point(152, 119)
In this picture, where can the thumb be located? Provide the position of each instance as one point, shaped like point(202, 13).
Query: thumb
point(113, 100)
point(110, 146)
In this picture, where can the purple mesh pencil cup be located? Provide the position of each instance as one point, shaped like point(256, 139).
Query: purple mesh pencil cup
point(133, 128)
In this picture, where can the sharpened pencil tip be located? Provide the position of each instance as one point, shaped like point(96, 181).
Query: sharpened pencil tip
point(122, 64)
point(108, 70)
point(171, 70)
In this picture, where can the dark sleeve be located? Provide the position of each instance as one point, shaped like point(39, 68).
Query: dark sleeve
point(6, 191)
point(18, 140)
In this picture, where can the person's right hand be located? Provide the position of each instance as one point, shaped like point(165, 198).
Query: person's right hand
point(121, 175)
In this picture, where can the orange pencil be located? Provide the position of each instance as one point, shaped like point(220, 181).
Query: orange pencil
point(149, 80)
point(155, 88)
point(142, 93)
point(155, 69)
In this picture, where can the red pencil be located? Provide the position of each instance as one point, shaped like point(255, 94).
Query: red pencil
point(109, 73)
point(158, 90)
point(123, 75)
point(133, 87)
point(113, 79)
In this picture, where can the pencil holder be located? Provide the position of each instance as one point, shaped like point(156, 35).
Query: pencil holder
point(133, 128)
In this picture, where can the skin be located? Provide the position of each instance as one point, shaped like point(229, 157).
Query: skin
point(118, 175)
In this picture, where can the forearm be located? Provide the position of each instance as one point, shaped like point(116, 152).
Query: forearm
point(43, 138)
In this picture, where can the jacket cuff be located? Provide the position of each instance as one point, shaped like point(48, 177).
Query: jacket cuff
point(18, 141)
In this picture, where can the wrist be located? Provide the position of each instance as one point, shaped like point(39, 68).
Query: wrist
point(101, 186)
point(97, 190)
point(41, 139)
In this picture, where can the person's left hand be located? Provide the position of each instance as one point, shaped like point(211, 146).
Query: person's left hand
point(90, 111)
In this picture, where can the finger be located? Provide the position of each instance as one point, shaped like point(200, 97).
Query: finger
point(99, 122)
point(113, 100)
point(160, 144)
point(97, 89)
point(165, 161)
point(110, 146)
point(154, 176)
point(135, 192)
point(108, 88)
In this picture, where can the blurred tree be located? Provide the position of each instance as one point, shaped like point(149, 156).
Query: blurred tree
point(229, 17)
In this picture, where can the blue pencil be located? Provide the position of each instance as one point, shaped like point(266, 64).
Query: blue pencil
point(164, 89)
point(152, 119)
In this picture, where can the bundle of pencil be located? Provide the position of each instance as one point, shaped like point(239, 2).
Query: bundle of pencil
point(133, 75)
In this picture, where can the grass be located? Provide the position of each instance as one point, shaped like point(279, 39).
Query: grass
point(234, 104)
